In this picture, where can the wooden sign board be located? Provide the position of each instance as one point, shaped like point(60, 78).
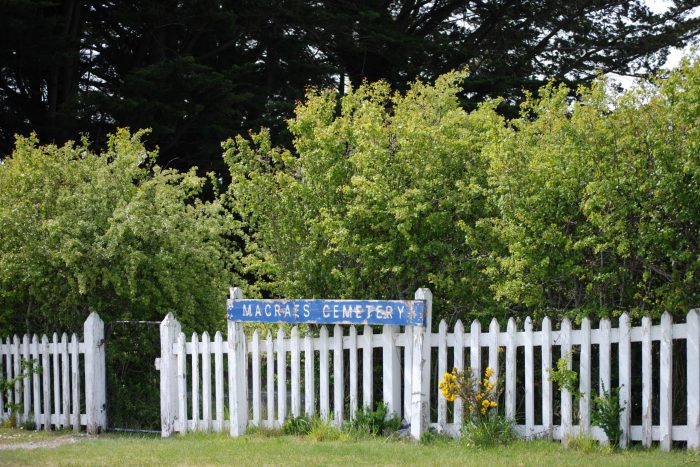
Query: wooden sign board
point(384, 312)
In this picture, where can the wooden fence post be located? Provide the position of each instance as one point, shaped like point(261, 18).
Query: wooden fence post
point(420, 386)
point(693, 357)
point(169, 333)
point(236, 381)
point(95, 382)
point(391, 372)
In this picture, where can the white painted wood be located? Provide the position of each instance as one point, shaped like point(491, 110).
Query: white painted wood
point(169, 332)
point(625, 378)
point(296, 373)
point(604, 356)
point(367, 373)
point(459, 365)
point(693, 376)
point(95, 374)
point(646, 382)
point(270, 383)
point(352, 350)
point(206, 382)
point(666, 382)
point(55, 354)
point(237, 383)
point(475, 352)
point(65, 383)
point(26, 383)
point(255, 354)
point(442, 369)
point(2, 369)
point(36, 382)
point(407, 372)
point(391, 371)
point(46, 380)
point(195, 381)
point(324, 400)
point(218, 382)
point(511, 347)
point(75, 382)
point(16, 354)
point(566, 403)
point(181, 384)
point(585, 377)
point(420, 396)
point(338, 379)
point(494, 333)
point(547, 416)
point(309, 385)
point(281, 378)
point(529, 379)
point(9, 371)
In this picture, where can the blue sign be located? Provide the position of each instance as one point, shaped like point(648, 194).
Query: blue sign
point(396, 312)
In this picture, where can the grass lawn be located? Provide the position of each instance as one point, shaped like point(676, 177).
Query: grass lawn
point(200, 448)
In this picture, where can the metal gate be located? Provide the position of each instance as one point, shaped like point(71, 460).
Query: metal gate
point(133, 384)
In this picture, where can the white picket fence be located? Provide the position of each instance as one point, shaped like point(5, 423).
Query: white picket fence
point(53, 396)
point(267, 399)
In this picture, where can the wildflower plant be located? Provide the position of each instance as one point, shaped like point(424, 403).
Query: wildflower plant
point(480, 397)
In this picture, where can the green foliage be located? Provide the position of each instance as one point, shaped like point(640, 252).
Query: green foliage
point(489, 431)
point(382, 196)
point(431, 436)
point(297, 426)
point(583, 443)
point(324, 431)
point(564, 377)
point(606, 414)
point(256, 431)
point(109, 232)
point(27, 369)
point(598, 199)
point(368, 422)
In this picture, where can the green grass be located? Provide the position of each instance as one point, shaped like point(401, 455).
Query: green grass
point(256, 450)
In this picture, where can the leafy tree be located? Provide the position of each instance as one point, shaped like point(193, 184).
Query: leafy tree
point(380, 198)
point(598, 200)
point(200, 71)
point(108, 232)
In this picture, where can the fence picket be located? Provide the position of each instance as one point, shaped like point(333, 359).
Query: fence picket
point(407, 373)
point(442, 369)
point(9, 371)
point(36, 382)
point(625, 372)
point(391, 381)
point(367, 374)
point(75, 381)
point(324, 401)
point(585, 377)
point(46, 380)
point(338, 381)
point(511, 346)
point(604, 357)
point(296, 371)
point(666, 382)
point(529, 379)
point(281, 378)
point(459, 365)
point(206, 381)
point(475, 351)
point(693, 369)
point(352, 347)
point(255, 354)
point(65, 382)
point(219, 381)
point(566, 421)
point(646, 382)
point(26, 383)
point(181, 384)
point(309, 386)
point(16, 353)
point(494, 332)
point(270, 380)
point(547, 419)
point(195, 381)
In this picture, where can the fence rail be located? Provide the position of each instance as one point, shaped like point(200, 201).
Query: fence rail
point(331, 374)
point(67, 390)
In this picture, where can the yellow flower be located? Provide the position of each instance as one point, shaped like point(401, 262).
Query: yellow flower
point(493, 404)
point(479, 396)
point(471, 408)
point(483, 411)
point(485, 403)
point(489, 372)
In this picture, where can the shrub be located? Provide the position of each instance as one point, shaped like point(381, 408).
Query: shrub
point(373, 422)
point(324, 431)
point(606, 414)
point(480, 398)
point(488, 431)
point(297, 426)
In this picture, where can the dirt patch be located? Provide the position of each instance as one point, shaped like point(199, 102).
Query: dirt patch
point(47, 443)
